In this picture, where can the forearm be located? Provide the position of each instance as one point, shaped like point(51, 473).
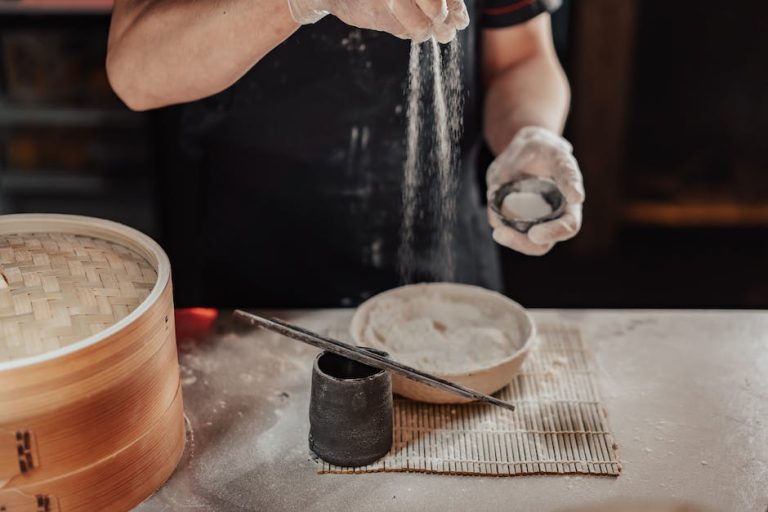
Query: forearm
point(534, 91)
point(163, 52)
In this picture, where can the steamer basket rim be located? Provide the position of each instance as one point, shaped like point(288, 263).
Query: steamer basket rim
point(97, 228)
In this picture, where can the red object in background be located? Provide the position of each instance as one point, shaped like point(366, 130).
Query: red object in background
point(194, 322)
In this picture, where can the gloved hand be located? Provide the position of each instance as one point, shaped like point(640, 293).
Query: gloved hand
point(407, 19)
point(539, 152)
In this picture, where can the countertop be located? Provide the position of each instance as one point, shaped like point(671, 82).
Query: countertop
point(686, 393)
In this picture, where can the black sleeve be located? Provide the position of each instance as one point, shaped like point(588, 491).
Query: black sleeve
point(505, 13)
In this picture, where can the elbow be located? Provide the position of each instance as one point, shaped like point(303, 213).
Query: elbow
point(125, 79)
point(141, 86)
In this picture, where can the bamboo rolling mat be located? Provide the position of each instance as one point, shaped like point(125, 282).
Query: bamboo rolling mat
point(559, 425)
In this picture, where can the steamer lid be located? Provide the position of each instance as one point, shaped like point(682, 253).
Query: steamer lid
point(60, 288)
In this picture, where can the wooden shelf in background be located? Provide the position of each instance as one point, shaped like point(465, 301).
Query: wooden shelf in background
point(74, 116)
point(47, 182)
point(696, 214)
point(63, 183)
point(55, 6)
point(601, 70)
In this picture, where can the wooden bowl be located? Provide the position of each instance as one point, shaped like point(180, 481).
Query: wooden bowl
point(91, 414)
point(486, 378)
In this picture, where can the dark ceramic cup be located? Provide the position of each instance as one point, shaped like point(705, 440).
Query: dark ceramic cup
point(350, 411)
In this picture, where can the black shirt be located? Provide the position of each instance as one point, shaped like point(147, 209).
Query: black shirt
point(285, 190)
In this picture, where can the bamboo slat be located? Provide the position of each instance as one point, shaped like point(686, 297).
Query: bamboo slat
point(89, 388)
point(116, 483)
point(559, 425)
point(60, 288)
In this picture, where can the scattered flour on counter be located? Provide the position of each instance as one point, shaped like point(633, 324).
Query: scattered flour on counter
point(444, 334)
point(187, 376)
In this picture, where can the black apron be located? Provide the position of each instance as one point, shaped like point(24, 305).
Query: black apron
point(285, 190)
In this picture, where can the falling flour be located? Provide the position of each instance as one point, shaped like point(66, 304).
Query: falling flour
point(411, 170)
point(442, 332)
point(440, 165)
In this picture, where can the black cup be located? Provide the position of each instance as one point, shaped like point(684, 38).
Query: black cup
point(350, 411)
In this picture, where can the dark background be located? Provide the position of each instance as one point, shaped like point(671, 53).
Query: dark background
point(669, 122)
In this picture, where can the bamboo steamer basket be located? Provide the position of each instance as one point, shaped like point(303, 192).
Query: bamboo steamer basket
point(91, 414)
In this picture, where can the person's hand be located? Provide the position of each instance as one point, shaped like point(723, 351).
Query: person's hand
point(538, 152)
point(407, 19)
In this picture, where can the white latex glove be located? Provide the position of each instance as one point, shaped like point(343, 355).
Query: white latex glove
point(539, 152)
point(407, 19)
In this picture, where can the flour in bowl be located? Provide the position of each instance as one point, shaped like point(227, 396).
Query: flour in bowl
point(442, 331)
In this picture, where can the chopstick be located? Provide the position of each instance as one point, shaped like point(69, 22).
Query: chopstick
point(365, 357)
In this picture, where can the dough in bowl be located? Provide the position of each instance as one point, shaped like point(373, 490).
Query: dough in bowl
point(442, 328)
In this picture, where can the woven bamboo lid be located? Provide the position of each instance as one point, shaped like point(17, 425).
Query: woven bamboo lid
point(61, 287)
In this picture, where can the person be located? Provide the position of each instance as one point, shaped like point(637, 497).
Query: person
point(284, 145)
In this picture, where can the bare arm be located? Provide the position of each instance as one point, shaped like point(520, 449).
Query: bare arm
point(525, 84)
point(526, 104)
point(163, 52)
